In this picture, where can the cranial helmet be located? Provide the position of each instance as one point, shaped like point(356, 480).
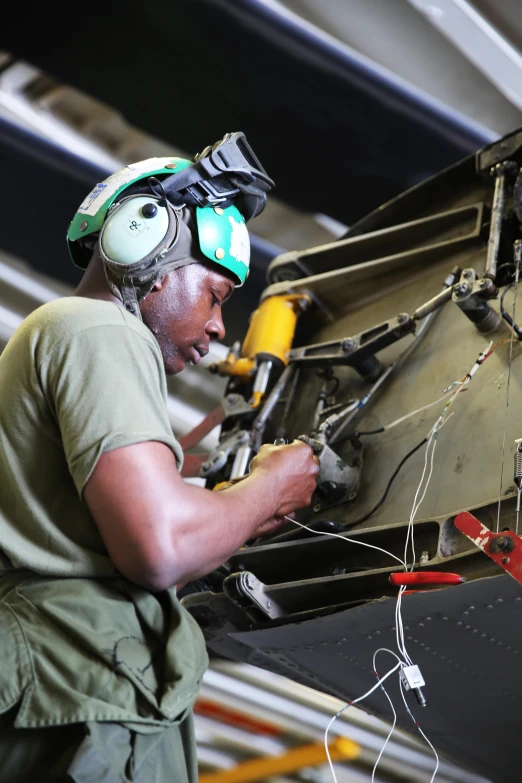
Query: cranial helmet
point(141, 217)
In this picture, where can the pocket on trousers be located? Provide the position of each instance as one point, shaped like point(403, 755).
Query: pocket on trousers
point(104, 756)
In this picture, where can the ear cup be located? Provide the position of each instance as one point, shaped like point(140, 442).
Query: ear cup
point(134, 229)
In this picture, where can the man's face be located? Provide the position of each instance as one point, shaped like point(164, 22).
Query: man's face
point(183, 311)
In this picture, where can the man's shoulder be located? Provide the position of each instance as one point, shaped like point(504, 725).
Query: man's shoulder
point(64, 318)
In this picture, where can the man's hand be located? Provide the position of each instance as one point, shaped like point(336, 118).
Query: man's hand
point(293, 471)
point(286, 461)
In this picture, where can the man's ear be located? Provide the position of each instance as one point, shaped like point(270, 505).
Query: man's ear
point(158, 285)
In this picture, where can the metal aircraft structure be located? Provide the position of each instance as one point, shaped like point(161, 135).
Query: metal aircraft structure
point(395, 353)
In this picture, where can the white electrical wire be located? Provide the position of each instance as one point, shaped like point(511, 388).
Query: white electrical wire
point(347, 706)
point(429, 457)
point(344, 538)
point(407, 661)
point(384, 649)
point(399, 627)
point(409, 530)
point(432, 439)
point(420, 732)
point(447, 392)
point(510, 361)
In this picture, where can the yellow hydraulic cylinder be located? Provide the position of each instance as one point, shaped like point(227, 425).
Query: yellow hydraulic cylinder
point(269, 337)
point(342, 749)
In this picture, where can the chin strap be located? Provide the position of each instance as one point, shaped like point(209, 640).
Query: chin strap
point(127, 294)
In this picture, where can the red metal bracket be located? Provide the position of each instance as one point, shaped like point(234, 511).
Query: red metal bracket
point(211, 420)
point(505, 548)
point(193, 462)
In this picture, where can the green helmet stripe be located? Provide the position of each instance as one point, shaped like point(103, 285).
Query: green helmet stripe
point(222, 233)
point(223, 238)
point(92, 212)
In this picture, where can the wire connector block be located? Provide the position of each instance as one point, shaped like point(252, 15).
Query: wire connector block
point(411, 677)
point(412, 680)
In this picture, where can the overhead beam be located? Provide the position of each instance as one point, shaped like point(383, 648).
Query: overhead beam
point(375, 80)
point(479, 41)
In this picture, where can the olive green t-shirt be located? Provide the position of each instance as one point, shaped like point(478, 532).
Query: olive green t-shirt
point(78, 641)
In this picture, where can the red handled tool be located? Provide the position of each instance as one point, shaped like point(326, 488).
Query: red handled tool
point(419, 579)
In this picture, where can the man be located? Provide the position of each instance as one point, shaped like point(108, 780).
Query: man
point(100, 664)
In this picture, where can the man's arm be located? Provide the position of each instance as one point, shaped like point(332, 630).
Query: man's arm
point(160, 531)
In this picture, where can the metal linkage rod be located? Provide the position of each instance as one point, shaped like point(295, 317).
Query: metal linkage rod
point(503, 173)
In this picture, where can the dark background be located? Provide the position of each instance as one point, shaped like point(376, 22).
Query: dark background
point(336, 136)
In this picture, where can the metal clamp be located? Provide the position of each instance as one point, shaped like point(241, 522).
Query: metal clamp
point(337, 481)
point(470, 295)
point(248, 592)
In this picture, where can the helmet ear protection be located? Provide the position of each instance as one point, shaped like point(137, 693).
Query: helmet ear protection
point(135, 237)
point(138, 229)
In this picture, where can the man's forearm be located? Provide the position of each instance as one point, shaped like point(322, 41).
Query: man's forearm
point(160, 531)
point(206, 528)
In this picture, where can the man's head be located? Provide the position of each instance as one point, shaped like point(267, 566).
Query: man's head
point(139, 218)
point(184, 312)
point(172, 239)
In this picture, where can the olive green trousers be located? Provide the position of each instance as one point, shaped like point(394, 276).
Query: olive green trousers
point(96, 753)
